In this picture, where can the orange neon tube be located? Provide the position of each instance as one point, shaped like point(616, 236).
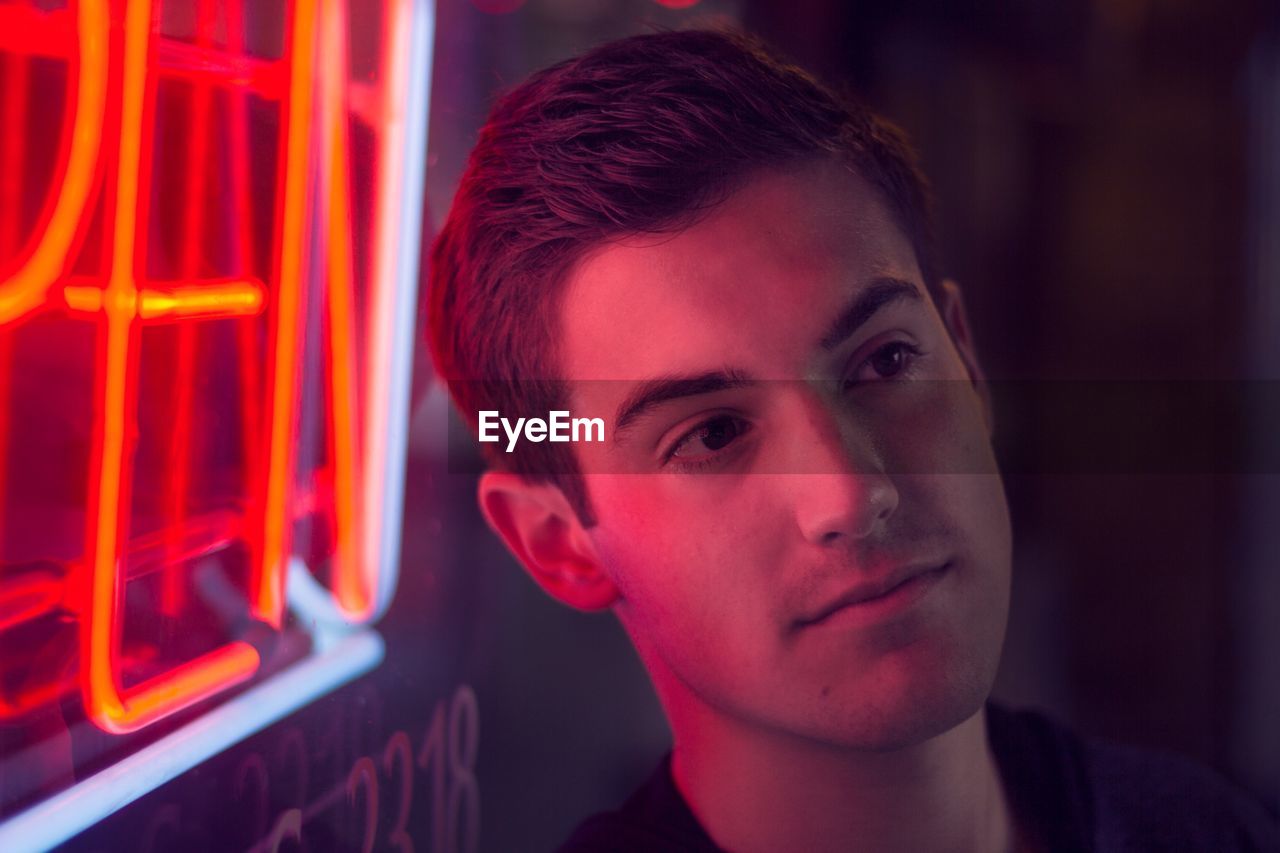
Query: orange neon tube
point(106, 702)
point(277, 515)
point(358, 492)
point(215, 299)
point(26, 288)
point(351, 588)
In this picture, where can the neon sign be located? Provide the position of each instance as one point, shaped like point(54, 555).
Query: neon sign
point(227, 226)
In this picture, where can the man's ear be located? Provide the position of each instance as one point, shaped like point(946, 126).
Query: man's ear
point(956, 320)
point(545, 535)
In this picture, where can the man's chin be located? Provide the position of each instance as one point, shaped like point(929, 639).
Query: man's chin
point(896, 710)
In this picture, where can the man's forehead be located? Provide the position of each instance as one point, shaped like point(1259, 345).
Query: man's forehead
point(753, 284)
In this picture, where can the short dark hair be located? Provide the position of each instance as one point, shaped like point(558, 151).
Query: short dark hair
point(641, 135)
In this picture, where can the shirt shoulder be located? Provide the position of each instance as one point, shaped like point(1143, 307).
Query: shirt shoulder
point(1075, 793)
point(1151, 800)
point(655, 818)
point(1107, 797)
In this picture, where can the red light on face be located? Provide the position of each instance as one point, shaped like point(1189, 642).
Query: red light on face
point(200, 242)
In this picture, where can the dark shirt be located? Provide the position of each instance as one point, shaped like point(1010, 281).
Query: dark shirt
point(1070, 793)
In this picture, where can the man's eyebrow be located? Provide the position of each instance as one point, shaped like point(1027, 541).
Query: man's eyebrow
point(654, 392)
point(863, 307)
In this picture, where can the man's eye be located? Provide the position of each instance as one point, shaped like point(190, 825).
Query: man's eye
point(888, 362)
point(709, 438)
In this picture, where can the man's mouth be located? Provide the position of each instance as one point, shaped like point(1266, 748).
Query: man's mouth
point(877, 599)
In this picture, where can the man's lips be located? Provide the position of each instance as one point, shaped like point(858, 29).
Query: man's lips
point(880, 596)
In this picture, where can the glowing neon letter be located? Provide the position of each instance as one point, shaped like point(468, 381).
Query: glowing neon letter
point(27, 287)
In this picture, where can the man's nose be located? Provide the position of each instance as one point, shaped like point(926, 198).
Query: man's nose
point(839, 489)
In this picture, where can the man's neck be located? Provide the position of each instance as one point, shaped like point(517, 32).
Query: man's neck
point(755, 791)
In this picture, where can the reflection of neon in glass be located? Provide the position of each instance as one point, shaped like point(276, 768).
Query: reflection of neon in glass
point(157, 288)
point(70, 812)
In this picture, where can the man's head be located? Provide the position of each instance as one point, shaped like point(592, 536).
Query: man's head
point(796, 514)
point(643, 135)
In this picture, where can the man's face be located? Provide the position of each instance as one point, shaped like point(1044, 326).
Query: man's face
point(811, 537)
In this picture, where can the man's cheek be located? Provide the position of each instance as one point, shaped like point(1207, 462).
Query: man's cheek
point(625, 501)
point(937, 428)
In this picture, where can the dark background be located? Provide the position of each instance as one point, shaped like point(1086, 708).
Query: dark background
point(1108, 179)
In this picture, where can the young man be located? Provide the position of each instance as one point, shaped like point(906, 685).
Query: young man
point(795, 511)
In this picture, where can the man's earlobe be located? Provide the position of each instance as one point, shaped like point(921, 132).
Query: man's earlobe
point(956, 320)
point(541, 529)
